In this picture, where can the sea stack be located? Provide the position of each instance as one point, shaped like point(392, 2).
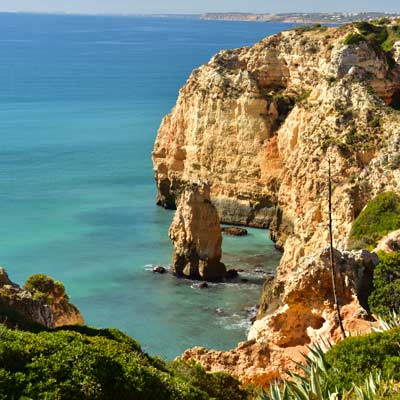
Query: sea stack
point(196, 234)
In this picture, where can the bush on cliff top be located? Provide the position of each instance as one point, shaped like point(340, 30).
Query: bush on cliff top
point(352, 360)
point(385, 297)
point(44, 287)
point(98, 364)
point(379, 217)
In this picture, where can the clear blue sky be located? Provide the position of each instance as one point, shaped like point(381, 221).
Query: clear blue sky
point(195, 6)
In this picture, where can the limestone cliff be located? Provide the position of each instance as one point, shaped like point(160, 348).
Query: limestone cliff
point(260, 124)
point(307, 315)
point(46, 305)
point(196, 234)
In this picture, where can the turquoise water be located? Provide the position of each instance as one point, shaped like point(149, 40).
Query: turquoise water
point(81, 99)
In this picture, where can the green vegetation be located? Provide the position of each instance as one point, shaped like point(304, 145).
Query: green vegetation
point(380, 216)
point(310, 28)
point(85, 363)
point(353, 359)
point(385, 297)
point(354, 38)
point(359, 368)
point(44, 288)
point(382, 37)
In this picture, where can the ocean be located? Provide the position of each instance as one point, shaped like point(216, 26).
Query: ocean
point(81, 99)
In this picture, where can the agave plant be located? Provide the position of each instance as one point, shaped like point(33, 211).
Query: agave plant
point(313, 384)
point(389, 323)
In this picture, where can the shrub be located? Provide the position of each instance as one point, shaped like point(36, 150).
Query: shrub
point(379, 217)
point(385, 297)
point(98, 364)
point(219, 385)
point(353, 359)
point(39, 282)
point(353, 38)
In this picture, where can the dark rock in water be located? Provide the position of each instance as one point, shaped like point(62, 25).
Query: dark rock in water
point(159, 270)
point(220, 311)
point(234, 231)
point(240, 270)
point(259, 271)
point(203, 285)
point(231, 274)
point(244, 280)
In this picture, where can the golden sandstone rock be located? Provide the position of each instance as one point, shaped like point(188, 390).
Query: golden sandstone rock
point(260, 124)
point(196, 235)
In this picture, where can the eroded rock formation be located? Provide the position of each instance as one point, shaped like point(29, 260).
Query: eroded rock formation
point(50, 308)
point(305, 315)
point(196, 235)
point(260, 125)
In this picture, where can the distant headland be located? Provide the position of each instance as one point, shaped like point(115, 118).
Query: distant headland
point(301, 18)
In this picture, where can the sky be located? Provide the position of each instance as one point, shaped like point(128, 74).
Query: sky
point(196, 6)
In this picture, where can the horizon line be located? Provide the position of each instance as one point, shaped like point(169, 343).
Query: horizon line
point(129, 14)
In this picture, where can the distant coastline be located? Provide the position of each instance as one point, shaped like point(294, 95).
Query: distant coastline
point(300, 18)
point(335, 18)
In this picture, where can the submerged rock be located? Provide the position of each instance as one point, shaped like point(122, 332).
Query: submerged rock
point(196, 236)
point(234, 231)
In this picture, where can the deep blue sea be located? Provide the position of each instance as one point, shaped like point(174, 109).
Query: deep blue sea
point(81, 99)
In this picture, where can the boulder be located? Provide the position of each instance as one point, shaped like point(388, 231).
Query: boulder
point(234, 231)
point(159, 270)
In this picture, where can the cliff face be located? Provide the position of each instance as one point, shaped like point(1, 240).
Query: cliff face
point(196, 234)
point(260, 124)
point(238, 119)
point(306, 315)
point(49, 307)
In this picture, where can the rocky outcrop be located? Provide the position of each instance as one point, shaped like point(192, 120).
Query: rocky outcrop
point(305, 315)
point(261, 124)
point(390, 243)
point(234, 231)
point(47, 306)
point(196, 236)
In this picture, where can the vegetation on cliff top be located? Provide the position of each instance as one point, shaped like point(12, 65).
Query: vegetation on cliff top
point(358, 368)
point(379, 217)
point(382, 37)
point(86, 363)
point(44, 287)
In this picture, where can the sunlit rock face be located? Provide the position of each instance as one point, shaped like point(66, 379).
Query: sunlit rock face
point(196, 236)
point(261, 124)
